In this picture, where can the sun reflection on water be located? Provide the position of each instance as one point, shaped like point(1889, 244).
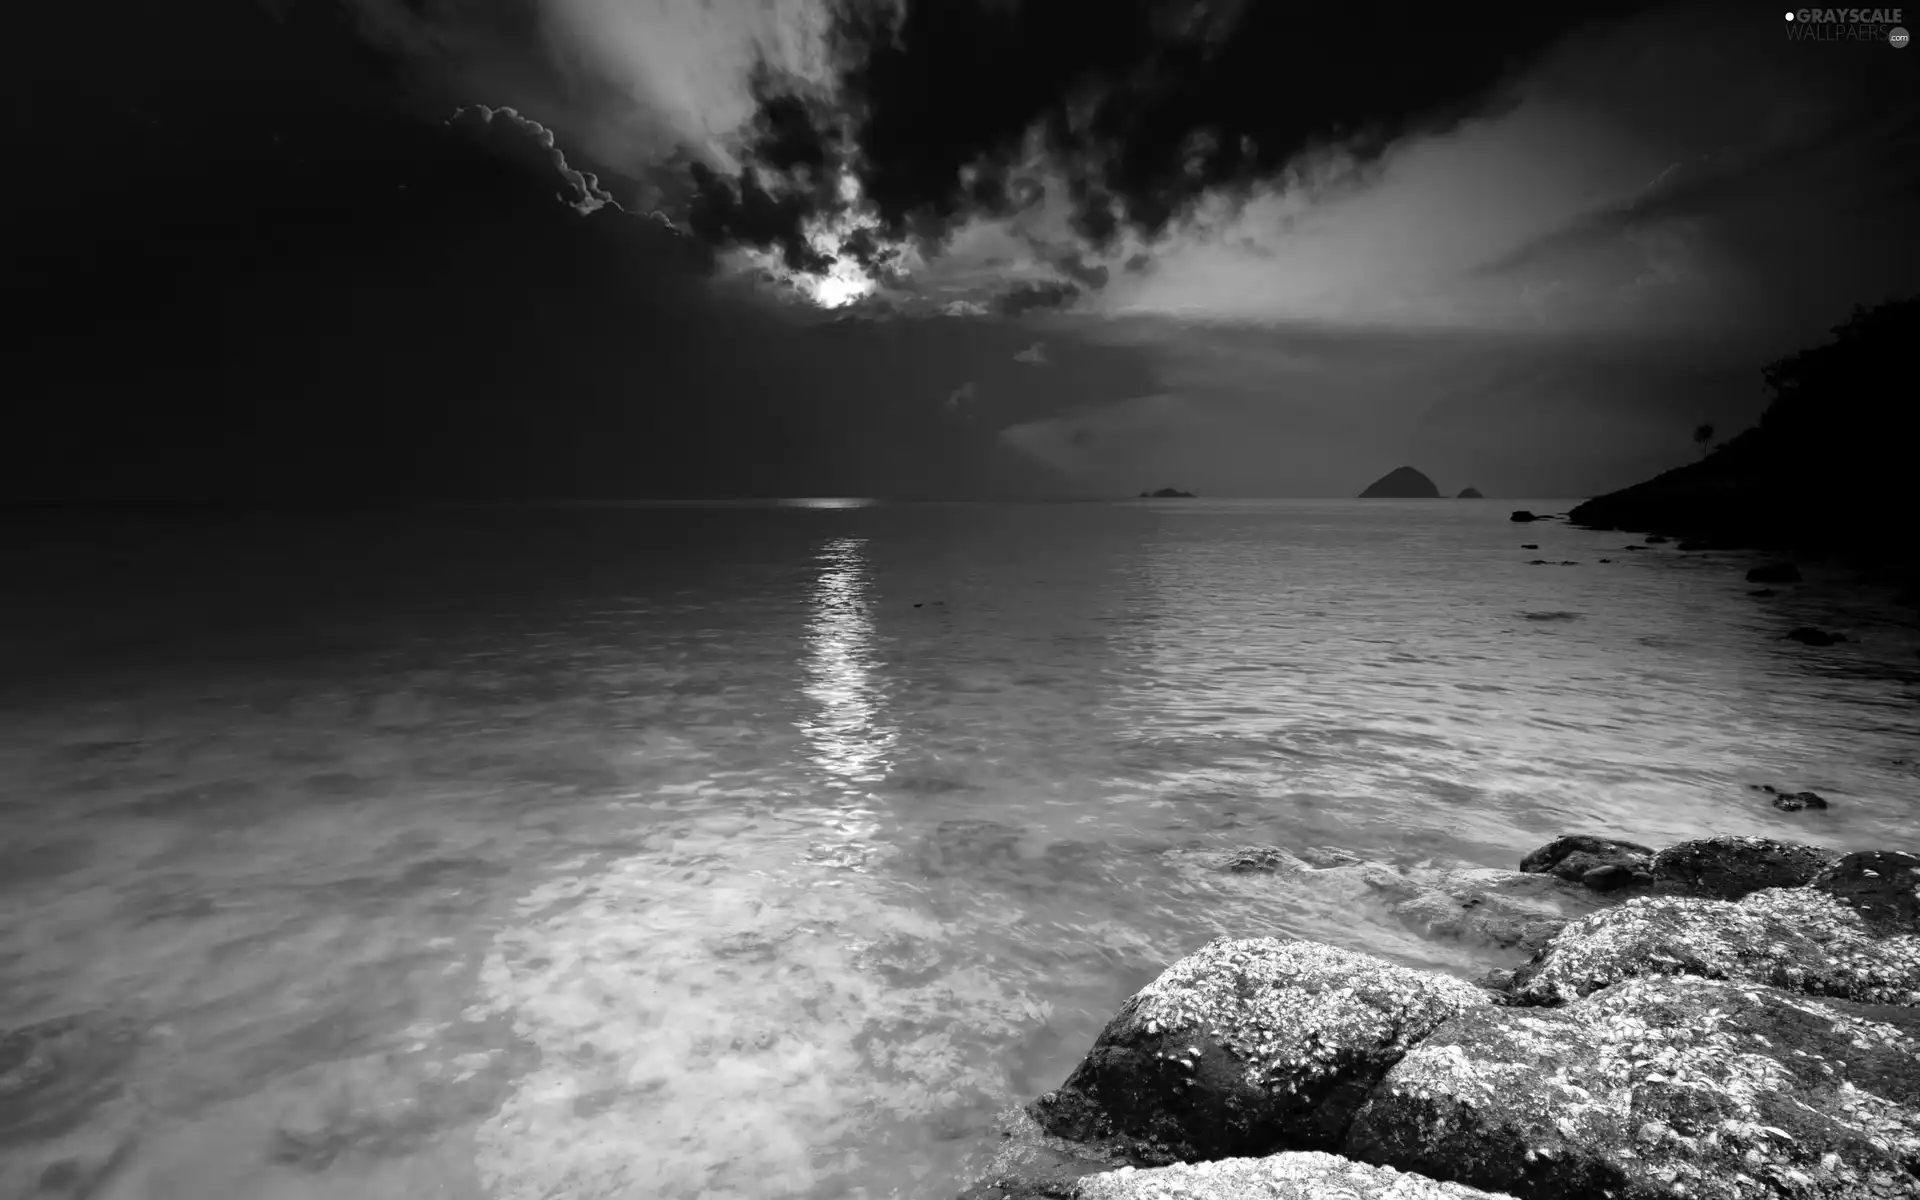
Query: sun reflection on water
point(848, 734)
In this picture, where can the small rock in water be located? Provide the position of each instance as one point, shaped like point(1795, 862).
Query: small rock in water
point(1762, 592)
point(1796, 801)
point(1529, 545)
point(1656, 540)
point(1584, 857)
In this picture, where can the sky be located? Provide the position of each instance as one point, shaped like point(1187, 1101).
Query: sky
point(368, 249)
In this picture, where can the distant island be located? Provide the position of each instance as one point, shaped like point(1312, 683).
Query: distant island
point(1826, 472)
point(1402, 483)
point(1168, 494)
point(1469, 494)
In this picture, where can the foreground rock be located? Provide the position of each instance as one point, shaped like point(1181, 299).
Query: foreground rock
point(1248, 1047)
point(1801, 939)
point(1303, 1175)
point(1883, 886)
point(1727, 868)
point(1659, 1087)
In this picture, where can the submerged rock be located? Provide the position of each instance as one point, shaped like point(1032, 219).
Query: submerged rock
point(1507, 910)
point(54, 1074)
point(1299, 1175)
point(1883, 886)
point(1602, 863)
point(1247, 1047)
point(1812, 636)
point(1727, 868)
point(1032, 1163)
point(1796, 938)
point(1659, 1087)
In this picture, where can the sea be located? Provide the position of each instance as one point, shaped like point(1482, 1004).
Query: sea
point(767, 850)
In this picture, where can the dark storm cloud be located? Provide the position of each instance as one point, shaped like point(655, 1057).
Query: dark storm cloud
point(1028, 297)
point(532, 145)
point(1146, 105)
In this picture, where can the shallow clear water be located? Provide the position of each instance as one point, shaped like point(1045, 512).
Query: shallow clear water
point(767, 851)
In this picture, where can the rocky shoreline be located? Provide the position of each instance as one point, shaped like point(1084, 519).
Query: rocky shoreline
point(1726, 1018)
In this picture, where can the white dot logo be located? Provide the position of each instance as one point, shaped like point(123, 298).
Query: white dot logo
point(1789, 16)
point(1898, 38)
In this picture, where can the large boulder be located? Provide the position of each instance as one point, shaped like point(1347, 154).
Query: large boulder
point(1659, 1087)
point(1883, 886)
point(1727, 868)
point(1300, 1175)
point(1797, 938)
point(1248, 1047)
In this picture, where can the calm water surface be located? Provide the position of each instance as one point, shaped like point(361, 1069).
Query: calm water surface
point(766, 851)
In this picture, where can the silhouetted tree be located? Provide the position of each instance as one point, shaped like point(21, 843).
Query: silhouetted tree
point(1702, 436)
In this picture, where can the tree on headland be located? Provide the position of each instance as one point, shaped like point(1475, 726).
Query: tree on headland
point(1830, 463)
point(1701, 436)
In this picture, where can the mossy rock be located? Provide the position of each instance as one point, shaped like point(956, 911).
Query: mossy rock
point(1660, 1087)
point(1801, 939)
point(1248, 1047)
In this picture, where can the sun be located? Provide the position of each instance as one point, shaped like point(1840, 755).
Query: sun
point(839, 288)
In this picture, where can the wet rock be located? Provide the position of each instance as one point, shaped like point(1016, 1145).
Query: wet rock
point(1301, 1175)
point(1763, 592)
point(1529, 545)
point(1659, 1087)
point(1657, 540)
point(1727, 868)
point(1591, 859)
point(1801, 939)
point(1248, 1047)
point(1813, 636)
point(1774, 573)
point(1523, 515)
point(1883, 886)
point(1633, 547)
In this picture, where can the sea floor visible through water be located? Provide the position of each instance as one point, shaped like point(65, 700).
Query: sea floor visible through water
point(766, 851)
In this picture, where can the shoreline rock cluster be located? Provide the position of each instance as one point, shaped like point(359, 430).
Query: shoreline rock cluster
point(1727, 1018)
